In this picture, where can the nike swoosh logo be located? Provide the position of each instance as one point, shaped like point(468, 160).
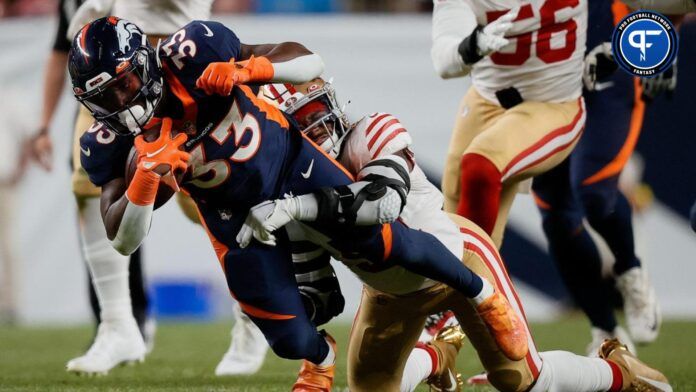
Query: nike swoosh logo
point(152, 154)
point(453, 382)
point(87, 152)
point(309, 170)
point(209, 32)
point(603, 86)
point(661, 385)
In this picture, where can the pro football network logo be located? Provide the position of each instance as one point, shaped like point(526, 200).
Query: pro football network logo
point(645, 43)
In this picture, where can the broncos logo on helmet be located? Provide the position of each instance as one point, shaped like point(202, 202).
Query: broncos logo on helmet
point(116, 74)
point(125, 31)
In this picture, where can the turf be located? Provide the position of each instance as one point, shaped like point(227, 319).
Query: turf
point(185, 356)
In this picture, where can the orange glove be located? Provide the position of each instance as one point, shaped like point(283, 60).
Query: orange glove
point(219, 78)
point(155, 159)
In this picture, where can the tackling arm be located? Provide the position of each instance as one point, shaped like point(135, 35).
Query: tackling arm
point(377, 197)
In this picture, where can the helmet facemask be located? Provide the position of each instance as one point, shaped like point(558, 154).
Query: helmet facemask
point(321, 119)
point(127, 102)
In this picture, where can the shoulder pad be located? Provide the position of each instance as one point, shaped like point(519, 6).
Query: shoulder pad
point(384, 134)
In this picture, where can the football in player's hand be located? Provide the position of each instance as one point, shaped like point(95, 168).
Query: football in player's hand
point(164, 192)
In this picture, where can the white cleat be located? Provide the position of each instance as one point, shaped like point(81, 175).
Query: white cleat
point(600, 335)
point(247, 350)
point(643, 316)
point(115, 343)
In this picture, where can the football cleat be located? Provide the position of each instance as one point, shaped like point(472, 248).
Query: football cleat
point(637, 376)
point(600, 335)
point(643, 316)
point(115, 343)
point(316, 378)
point(446, 343)
point(247, 350)
point(505, 325)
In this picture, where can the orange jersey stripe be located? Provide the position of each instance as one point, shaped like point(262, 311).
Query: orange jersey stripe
point(272, 112)
point(190, 106)
point(263, 314)
point(614, 167)
point(387, 238)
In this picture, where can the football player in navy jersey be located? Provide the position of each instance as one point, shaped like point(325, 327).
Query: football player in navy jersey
point(230, 151)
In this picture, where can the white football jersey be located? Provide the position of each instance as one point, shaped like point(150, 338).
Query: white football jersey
point(379, 135)
point(544, 59)
point(154, 17)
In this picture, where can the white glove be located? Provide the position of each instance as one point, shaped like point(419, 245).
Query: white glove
point(265, 218)
point(598, 64)
point(492, 37)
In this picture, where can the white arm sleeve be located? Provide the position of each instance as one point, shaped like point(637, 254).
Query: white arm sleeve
point(133, 229)
point(87, 12)
point(675, 7)
point(298, 70)
point(453, 20)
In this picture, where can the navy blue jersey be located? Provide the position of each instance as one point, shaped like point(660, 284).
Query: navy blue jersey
point(103, 154)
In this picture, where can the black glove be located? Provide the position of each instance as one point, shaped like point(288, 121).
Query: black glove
point(665, 82)
point(322, 303)
point(599, 64)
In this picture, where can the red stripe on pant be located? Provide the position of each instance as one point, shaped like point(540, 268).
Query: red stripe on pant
point(480, 187)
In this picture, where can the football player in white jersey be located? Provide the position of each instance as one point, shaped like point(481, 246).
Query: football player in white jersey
point(395, 303)
point(524, 112)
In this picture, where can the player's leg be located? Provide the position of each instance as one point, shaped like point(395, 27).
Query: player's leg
point(613, 127)
point(118, 337)
point(262, 280)
point(474, 115)
point(526, 140)
point(574, 251)
point(556, 371)
point(384, 333)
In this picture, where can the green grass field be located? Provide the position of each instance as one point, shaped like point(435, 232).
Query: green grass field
point(185, 356)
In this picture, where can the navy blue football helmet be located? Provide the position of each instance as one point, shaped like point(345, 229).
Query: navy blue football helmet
point(116, 74)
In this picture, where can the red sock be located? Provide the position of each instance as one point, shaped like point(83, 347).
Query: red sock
point(432, 353)
point(617, 383)
point(481, 184)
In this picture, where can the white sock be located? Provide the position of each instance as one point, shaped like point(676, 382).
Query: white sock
point(108, 268)
point(330, 358)
point(486, 291)
point(566, 372)
point(418, 367)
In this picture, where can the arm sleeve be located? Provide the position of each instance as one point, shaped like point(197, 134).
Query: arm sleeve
point(134, 227)
point(453, 20)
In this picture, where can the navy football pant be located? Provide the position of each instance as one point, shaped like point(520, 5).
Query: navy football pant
point(586, 186)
